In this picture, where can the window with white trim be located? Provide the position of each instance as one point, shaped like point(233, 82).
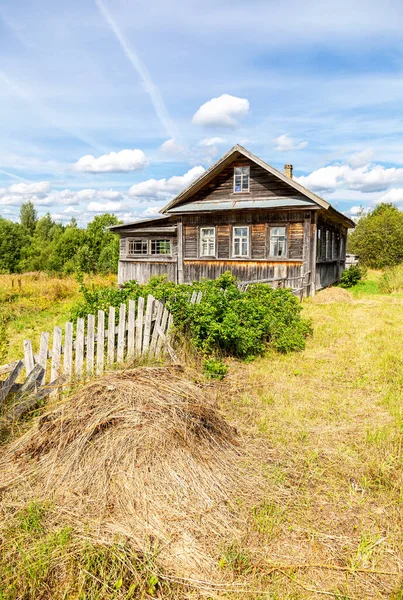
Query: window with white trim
point(278, 241)
point(207, 241)
point(240, 241)
point(160, 246)
point(137, 247)
point(241, 179)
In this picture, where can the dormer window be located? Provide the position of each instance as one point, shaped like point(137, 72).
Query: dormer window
point(241, 179)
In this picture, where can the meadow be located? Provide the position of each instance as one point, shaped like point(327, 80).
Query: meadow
point(323, 429)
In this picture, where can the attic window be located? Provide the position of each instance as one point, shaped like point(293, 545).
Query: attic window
point(241, 179)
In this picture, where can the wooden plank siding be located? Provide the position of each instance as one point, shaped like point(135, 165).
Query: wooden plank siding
point(262, 185)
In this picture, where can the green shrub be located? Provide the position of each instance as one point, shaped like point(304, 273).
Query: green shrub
point(351, 276)
point(391, 281)
point(213, 368)
point(225, 322)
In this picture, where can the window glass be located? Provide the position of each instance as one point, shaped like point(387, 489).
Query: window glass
point(278, 241)
point(160, 246)
point(207, 241)
point(136, 247)
point(241, 179)
point(241, 241)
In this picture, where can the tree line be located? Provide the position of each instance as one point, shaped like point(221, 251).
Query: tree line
point(42, 244)
point(378, 237)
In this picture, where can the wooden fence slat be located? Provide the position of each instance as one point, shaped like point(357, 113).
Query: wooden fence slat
point(28, 357)
point(139, 325)
point(68, 351)
point(157, 323)
point(90, 344)
point(79, 348)
point(100, 342)
point(43, 353)
point(161, 331)
point(7, 368)
point(147, 323)
point(9, 382)
point(193, 298)
point(56, 352)
point(131, 323)
point(111, 336)
point(199, 297)
point(121, 333)
point(32, 381)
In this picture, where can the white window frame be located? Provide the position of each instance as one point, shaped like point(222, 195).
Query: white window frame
point(242, 175)
point(160, 253)
point(133, 241)
point(235, 236)
point(286, 241)
point(213, 237)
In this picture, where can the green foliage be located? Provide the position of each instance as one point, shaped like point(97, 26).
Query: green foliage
point(351, 276)
point(391, 281)
point(43, 245)
point(225, 322)
point(378, 237)
point(213, 368)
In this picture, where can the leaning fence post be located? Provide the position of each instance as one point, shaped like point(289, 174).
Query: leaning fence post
point(121, 333)
point(28, 357)
point(157, 322)
point(56, 352)
point(90, 344)
point(111, 336)
point(68, 351)
point(147, 323)
point(100, 342)
point(131, 328)
point(79, 347)
point(139, 325)
point(43, 354)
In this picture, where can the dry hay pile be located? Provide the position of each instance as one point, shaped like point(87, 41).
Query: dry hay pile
point(332, 295)
point(140, 453)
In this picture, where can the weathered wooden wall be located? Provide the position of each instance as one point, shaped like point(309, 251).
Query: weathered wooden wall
point(262, 184)
point(142, 270)
point(244, 270)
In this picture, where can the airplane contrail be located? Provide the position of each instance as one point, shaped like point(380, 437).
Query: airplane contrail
point(141, 69)
point(12, 175)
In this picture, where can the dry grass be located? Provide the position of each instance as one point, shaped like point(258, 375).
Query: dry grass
point(140, 455)
point(308, 505)
point(331, 295)
point(34, 302)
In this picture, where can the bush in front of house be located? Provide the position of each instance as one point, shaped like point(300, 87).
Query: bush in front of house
point(226, 322)
point(351, 276)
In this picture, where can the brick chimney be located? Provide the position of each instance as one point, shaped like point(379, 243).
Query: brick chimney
point(288, 171)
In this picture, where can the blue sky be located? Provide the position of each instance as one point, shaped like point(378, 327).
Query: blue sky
point(116, 105)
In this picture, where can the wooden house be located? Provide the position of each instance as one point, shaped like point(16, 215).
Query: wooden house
point(243, 216)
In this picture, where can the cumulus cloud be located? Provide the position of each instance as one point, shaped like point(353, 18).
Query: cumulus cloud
point(108, 206)
point(114, 162)
point(38, 187)
point(224, 111)
point(360, 159)
point(366, 179)
point(152, 211)
point(213, 141)
point(285, 143)
point(165, 188)
point(395, 195)
point(172, 147)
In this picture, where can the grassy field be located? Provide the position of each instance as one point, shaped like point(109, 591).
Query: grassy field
point(32, 303)
point(324, 429)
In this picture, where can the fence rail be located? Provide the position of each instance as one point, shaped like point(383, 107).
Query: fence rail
point(85, 350)
point(298, 284)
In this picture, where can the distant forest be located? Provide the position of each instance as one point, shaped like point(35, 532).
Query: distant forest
point(41, 244)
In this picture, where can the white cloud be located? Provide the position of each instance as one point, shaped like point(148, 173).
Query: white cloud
point(38, 187)
point(360, 159)
point(165, 188)
point(114, 162)
point(395, 195)
point(172, 147)
point(213, 141)
point(285, 143)
point(151, 211)
point(366, 179)
point(224, 111)
point(108, 206)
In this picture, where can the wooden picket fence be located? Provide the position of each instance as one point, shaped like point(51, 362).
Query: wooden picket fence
point(86, 352)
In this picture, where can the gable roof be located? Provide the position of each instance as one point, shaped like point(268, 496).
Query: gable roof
point(226, 160)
